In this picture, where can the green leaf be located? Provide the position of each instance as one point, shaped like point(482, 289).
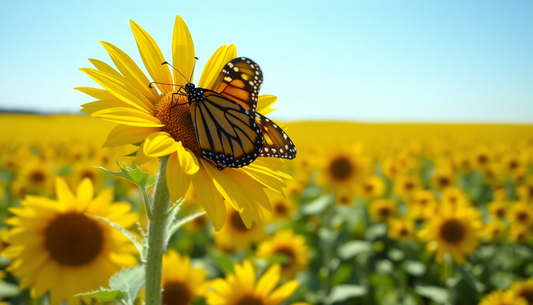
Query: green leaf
point(343, 292)
point(437, 294)
point(105, 295)
point(317, 206)
point(126, 233)
point(224, 263)
point(466, 277)
point(130, 281)
point(353, 248)
point(135, 175)
point(415, 268)
point(8, 290)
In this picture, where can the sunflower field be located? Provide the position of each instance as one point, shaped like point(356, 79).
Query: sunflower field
point(373, 214)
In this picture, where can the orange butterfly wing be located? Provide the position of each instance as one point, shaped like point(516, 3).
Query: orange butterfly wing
point(276, 142)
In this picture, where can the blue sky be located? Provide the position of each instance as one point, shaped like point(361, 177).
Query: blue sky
point(364, 60)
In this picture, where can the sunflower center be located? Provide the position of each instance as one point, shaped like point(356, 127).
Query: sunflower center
point(176, 293)
point(500, 212)
point(408, 185)
point(289, 252)
point(384, 212)
point(73, 239)
point(37, 177)
point(444, 182)
point(280, 208)
point(369, 188)
point(236, 222)
point(522, 216)
point(344, 200)
point(341, 168)
point(452, 231)
point(527, 294)
point(176, 116)
point(403, 232)
point(423, 202)
point(482, 159)
point(250, 300)
point(88, 174)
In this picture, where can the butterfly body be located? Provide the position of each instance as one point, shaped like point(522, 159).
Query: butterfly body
point(229, 131)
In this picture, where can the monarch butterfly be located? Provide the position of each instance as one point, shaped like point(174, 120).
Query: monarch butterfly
point(230, 132)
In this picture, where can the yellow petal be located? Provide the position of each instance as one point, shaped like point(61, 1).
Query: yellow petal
point(128, 116)
point(264, 102)
point(284, 292)
point(214, 65)
point(85, 193)
point(122, 89)
point(125, 134)
point(209, 198)
point(152, 57)
point(102, 66)
point(92, 107)
point(133, 74)
point(63, 192)
point(182, 52)
point(141, 158)
point(99, 94)
point(159, 144)
point(188, 161)
point(269, 280)
point(245, 275)
point(178, 181)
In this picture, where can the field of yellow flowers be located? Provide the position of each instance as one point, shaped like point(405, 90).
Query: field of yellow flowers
point(374, 214)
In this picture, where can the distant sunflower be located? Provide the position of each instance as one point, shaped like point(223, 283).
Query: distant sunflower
point(55, 247)
point(145, 116)
point(422, 205)
point(520, 234)
point(382, 210)
point(524, 290)
point(401, 229)
point(243, 289)
point(237, 234)
point(454, 196)
point(406, 185)
point(289, 244)
point(498, 209)
point(282, 207)
point(444, 177)
point(454, 230)
point(373, 187)
point(495, 230)
point(525, 192)
point(343, 169)
point(499, 297)
point(182, 284)
point(521, 213)
point(36, 178)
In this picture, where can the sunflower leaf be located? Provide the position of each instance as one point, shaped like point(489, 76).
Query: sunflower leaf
point(129, 281)
point(179, 223)
point(105, 295)
point(135, 175)
point(344, 292)
point(126, 233)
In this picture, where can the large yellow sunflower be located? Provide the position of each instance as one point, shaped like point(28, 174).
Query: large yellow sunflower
point(182, 284)
point(57, 248)
point(236, 234)
point(291, 245)
point(524, 290)
point(145, 115)
point(454, 230)
point(243, 289)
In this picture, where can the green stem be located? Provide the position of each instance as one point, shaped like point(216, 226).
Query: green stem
point(156, 236)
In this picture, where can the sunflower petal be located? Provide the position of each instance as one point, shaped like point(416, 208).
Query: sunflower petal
point(133, 74)
point(187, 159)
point(102, 66)
point(264, 102)
point(284, 292)
point(182, 52)
point(141, 158)
point(269, 280)
point(125, 134)
point(208, 197)
point(122, 89)
point(152, 58)
point(85, 193)
point(178, 181)
point(63, 192)
point(128, 116)
point(214, 65)
point(159, 144)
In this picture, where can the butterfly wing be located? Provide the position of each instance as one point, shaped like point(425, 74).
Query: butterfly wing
point(227, 133)
point(276, 142)
point(240, 81)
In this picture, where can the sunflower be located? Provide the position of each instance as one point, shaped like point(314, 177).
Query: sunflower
point(498, 209)
point(237, 234)
point(343, 169)
point(291, 245)
point(525, 192)
point(382, 210)
point(35, 177)
point(520, 234)
point(145, 115)
point(453, 230)
point(282, 207)
point(521, 213)
point(182, 284)
point(243, 289)
point(524, 290)
point(499, 297)
point(57, 248)
point(373, 187)
point(401, 229)
point(495, 230)
point(422, 205)
point(406, 185)
point(444, 177)
point(454, 196)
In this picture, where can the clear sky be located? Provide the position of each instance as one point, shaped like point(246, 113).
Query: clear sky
point(361, 60)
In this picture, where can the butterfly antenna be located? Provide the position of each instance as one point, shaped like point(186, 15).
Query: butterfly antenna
point(150, 84)
point(166, 63)
point(193, 66)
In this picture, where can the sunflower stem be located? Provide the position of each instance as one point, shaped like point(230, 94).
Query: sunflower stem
point(156, 236)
